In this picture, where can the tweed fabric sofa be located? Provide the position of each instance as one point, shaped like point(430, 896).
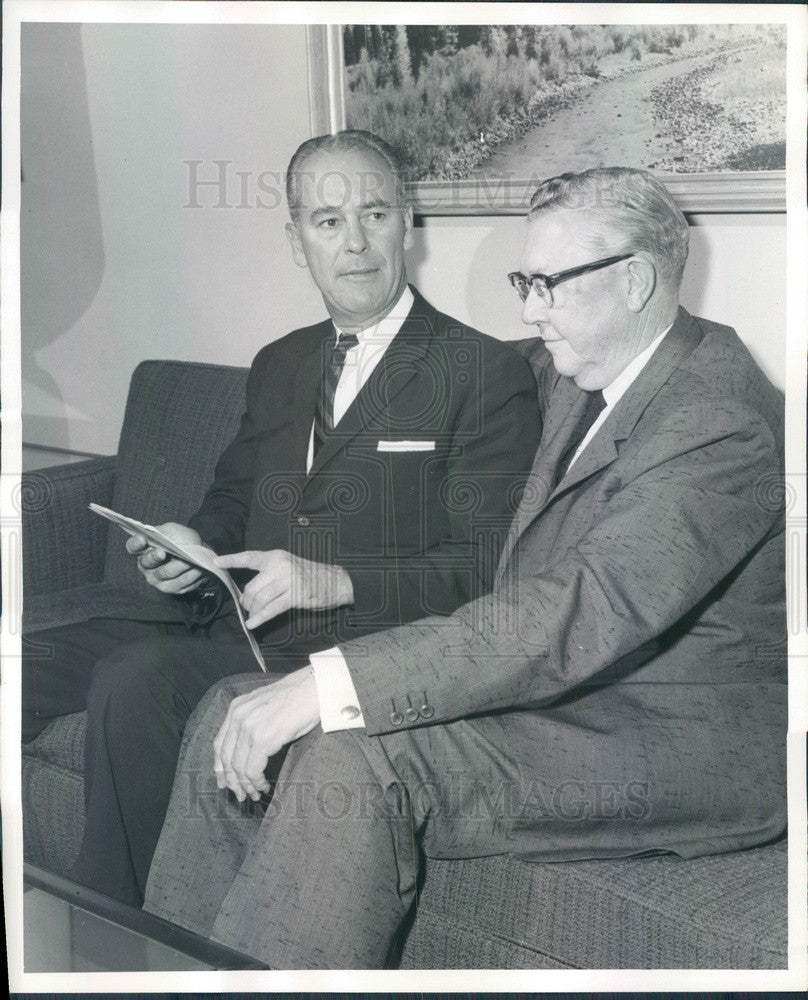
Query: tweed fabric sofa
point(727, 911)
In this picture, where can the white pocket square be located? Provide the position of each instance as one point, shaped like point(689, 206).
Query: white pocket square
point(405, 446)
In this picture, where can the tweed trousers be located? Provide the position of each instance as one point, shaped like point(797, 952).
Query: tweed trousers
point(326, 875)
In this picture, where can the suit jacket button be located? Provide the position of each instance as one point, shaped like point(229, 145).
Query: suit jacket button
point(349, 712)
point(411, 714)
point(396, 718)
point(303, 521)
point(427, 711)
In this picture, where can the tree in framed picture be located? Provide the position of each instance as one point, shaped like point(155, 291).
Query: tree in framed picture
point(530, 101)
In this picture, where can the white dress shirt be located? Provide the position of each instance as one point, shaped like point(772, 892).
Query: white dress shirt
point(339, 703)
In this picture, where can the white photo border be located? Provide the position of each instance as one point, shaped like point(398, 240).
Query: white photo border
point(334, 14)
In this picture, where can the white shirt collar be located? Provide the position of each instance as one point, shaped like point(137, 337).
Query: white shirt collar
point(617, 388)
point(381, 333)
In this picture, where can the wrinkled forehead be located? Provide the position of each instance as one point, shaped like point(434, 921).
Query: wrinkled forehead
point(344, 178)
point(559, 238)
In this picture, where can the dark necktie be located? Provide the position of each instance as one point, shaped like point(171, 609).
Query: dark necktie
point(335, 353)
point(594, 404)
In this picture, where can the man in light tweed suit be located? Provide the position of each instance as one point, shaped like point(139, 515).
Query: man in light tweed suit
point(621, 690)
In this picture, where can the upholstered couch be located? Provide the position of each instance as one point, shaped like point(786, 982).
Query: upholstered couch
point(654, 912)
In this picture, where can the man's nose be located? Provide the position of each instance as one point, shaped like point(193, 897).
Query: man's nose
point(356, 239)
point(534, 308)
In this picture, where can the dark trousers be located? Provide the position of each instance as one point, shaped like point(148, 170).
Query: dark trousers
point(139, 682)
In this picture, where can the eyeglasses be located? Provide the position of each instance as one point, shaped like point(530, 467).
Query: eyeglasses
point(543, 284)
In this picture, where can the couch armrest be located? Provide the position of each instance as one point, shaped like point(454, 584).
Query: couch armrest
point(63, 542)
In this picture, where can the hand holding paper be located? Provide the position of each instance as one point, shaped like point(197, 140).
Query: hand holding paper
point(187, 548)
point(168, 574)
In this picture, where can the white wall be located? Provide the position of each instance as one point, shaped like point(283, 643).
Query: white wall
point(117, 268)
point(735, 275)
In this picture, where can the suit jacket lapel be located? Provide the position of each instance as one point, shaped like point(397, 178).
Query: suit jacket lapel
point(307, 385)
point(399, 364)
point(567, 403)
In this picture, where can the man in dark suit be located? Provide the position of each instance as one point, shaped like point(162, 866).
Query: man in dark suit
point(371, 483)
point(620, 691)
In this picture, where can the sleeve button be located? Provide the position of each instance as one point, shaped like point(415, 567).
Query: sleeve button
point(427, 711)
point(396, 718)
point(411, 714)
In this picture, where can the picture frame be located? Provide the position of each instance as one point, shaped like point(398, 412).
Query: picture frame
point(695, 193)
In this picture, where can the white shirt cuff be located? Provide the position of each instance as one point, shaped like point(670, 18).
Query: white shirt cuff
point(339, 704)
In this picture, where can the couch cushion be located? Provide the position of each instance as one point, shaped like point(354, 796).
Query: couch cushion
point(61, 743)
point(723, 911)
point(53, 794)
point(179, 418)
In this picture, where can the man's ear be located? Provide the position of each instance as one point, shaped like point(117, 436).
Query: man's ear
point(293, 235)
point(642, 279)
point(408, 237)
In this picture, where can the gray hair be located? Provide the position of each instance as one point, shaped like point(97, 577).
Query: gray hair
point(348, 139)
point(633, 204)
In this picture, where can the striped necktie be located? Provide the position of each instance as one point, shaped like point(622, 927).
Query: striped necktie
point(335, 353)
point(594, 404)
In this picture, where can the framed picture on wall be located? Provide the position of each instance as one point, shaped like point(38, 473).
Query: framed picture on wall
point(479, 113)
